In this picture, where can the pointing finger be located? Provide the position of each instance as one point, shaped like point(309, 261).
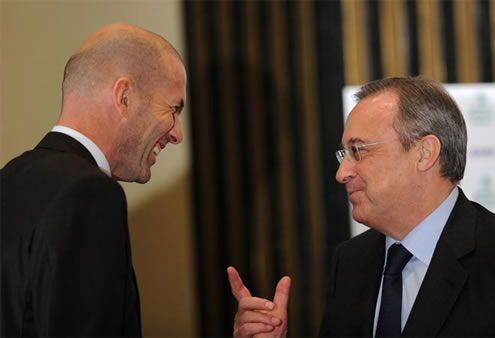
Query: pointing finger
point(238, 289)
point(282, 292)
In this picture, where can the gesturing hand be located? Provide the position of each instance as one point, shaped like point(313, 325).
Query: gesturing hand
point(259, 316)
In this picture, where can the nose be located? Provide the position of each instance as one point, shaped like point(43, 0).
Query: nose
point(175, 135)
point(346, 170)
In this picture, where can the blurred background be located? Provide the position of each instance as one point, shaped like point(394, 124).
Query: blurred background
point(253, 183)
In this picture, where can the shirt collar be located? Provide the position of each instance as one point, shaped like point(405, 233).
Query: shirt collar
point(422, 240)
point(94, 150)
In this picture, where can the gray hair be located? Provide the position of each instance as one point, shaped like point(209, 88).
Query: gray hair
point(425, 108)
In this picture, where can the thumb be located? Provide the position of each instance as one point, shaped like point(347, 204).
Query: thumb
point(282, 292)
point(238, 289)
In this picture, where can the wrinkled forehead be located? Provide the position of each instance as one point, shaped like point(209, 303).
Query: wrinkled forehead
point(372, 118)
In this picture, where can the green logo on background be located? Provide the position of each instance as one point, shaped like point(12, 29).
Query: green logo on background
point(485, 194)
point(481, 112)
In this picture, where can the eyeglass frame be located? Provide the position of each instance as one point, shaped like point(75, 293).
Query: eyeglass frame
point(356, 147)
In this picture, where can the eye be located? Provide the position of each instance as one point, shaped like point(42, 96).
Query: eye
point(355, 151)
point(363, 149)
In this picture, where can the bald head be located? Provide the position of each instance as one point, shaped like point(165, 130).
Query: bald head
point(114, 51)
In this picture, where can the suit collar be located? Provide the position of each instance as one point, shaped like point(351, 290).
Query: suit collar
point(66, 144)
point(377, 253)
point(445, 277)
point(459, 232)
point(367, 261)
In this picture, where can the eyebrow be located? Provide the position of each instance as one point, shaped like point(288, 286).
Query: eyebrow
point(354, 140)
point(180, 106)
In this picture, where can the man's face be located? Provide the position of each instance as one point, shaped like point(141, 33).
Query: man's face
point(154, 124)
point(380, 184)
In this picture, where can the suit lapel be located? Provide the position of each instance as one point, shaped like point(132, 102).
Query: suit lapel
point(375, 269)
point(361, 280)
point(445, 277)
point(64, 143)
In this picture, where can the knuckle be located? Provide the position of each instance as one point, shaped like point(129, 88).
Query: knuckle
point(243, 303)
point(243, 331)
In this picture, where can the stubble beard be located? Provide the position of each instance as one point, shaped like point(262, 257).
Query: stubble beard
point(132, 159)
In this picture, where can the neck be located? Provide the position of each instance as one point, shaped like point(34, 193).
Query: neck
point(91, 125)
point(425, 202)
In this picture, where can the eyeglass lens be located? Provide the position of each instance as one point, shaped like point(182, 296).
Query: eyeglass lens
point(353, 154)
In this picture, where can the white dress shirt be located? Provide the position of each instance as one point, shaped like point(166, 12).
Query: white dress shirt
point(94, 150)
point(421, 243)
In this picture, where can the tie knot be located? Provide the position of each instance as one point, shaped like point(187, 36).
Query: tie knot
point(397, 258)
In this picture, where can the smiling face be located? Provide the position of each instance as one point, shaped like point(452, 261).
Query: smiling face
point(381, 185)
point(151, 126)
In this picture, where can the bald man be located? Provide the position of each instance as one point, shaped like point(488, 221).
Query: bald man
point(66, 267)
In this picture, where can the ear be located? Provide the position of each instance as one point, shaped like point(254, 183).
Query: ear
point(429, 150)
point(121, 95)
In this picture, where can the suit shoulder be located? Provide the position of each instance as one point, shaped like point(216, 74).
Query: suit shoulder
point(363, 238)
point(90, 205)
point(361, 245)
point(485, 216)
point(44, 168)
point(99, 183)
point(92, 189)
point(485, 229)
point(43, 178)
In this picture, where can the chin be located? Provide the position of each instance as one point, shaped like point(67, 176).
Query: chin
point(358, 217)
point(143, 179)
point(145, 176)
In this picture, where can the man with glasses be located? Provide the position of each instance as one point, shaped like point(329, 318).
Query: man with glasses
point(427, 265)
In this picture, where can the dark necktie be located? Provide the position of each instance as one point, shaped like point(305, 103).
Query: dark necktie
point(390, 309)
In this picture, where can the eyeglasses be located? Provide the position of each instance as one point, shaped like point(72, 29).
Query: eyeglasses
point(353, 152)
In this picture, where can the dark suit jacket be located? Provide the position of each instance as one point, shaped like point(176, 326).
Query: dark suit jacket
point(457, 297)
point(65, 254)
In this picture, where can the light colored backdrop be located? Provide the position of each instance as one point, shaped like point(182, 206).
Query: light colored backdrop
point(37, 38)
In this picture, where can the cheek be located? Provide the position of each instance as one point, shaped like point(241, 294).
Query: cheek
point(394, 182)
point(157, 127)
point(379, 180)
point(370, 173)
point(165, 123)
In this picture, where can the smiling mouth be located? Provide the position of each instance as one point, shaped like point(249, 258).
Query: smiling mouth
point(156, 150)
point(158, 147)
point(351, 192)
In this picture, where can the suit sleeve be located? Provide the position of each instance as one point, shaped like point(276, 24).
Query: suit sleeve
point(80, 283)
